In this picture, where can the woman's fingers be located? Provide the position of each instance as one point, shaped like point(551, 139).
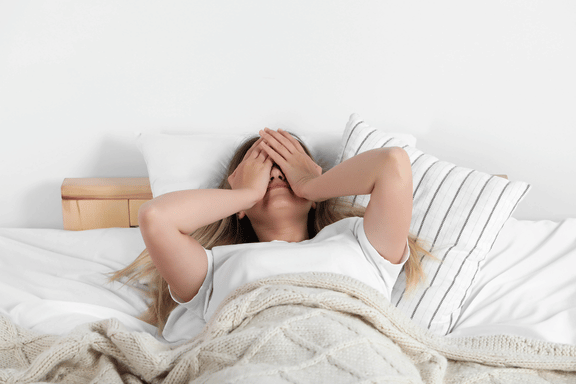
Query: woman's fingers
point(273, 155)
point(279, 142)
point(252, 148)
point(256, 153)
point(295, 143)
point(253, 172)
point(262, 155)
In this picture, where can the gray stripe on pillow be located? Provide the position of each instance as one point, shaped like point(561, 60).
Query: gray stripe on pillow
point(434, 198)
point(350, 135)
point(443, 221)
point(441, 226)
point(466, 258)
point(387, 141)
point(449, 250)
point(363, 141)
point(520, 199)
point(423, 176)
point(417, 158)
point(449, 209)
point(480, 261)
point(424, 219)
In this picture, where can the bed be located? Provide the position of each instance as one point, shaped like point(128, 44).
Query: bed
point(499, 304)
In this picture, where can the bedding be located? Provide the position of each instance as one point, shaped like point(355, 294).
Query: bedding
point(304, 328)
point(54, 280)
point(55, 296)
point(527, 285)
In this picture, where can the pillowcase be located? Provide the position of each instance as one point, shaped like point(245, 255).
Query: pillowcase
point(457, 213)
point(192, 161)
point(178, 162)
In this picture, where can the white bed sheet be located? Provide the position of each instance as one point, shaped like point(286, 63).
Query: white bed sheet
point(527, 286)
point(54, 280)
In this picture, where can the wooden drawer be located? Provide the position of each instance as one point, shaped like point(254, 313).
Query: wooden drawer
point(90, 214)
point(90, 203)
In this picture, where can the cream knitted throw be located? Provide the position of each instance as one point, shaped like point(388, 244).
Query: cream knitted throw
point(308, 328)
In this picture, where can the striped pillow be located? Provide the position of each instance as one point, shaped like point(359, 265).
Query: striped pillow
point(457, 212)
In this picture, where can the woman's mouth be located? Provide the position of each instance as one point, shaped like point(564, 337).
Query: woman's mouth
point(278, 185)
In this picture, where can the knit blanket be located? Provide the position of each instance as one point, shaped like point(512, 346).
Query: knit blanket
point(305, 328)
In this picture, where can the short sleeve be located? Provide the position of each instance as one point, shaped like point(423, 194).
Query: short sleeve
point(388, 271)
point(198, 302)
point(187, 319)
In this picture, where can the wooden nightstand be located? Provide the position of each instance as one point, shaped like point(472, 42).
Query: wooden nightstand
point(89, 203)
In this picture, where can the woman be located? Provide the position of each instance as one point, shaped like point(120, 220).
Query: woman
point(276, 213)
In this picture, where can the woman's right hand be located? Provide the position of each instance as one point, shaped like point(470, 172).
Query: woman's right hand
point(253, 172)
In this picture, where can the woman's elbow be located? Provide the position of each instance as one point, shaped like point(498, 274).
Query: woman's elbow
point(396, 162)
point(148, 216)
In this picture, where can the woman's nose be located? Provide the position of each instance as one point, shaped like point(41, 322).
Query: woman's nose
point(275, 172)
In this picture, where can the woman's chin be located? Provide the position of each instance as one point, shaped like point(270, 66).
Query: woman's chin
point(283, 198)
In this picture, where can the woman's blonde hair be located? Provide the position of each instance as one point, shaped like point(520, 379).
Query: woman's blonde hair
point(232, 230)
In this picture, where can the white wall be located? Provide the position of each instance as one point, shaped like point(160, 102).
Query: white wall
point(489, 85)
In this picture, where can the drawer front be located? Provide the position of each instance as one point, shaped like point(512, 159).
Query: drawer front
point(91, 214)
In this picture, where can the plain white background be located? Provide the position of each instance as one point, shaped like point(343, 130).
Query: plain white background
point(489, 85)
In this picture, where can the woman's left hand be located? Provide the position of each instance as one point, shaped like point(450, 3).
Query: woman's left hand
point(294, 162)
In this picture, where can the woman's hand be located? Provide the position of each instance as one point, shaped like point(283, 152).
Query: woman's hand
point(294, 162)
point(253, 172)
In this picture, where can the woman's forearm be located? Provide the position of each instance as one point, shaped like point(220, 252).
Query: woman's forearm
point(189, 210)
point(386, 175)
point(355, 176)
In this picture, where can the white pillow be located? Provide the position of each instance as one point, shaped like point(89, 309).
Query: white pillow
point(192, 161)
point(458, 212)
point(178, 162)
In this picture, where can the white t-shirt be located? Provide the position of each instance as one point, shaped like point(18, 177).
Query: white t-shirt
point(341, 248)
